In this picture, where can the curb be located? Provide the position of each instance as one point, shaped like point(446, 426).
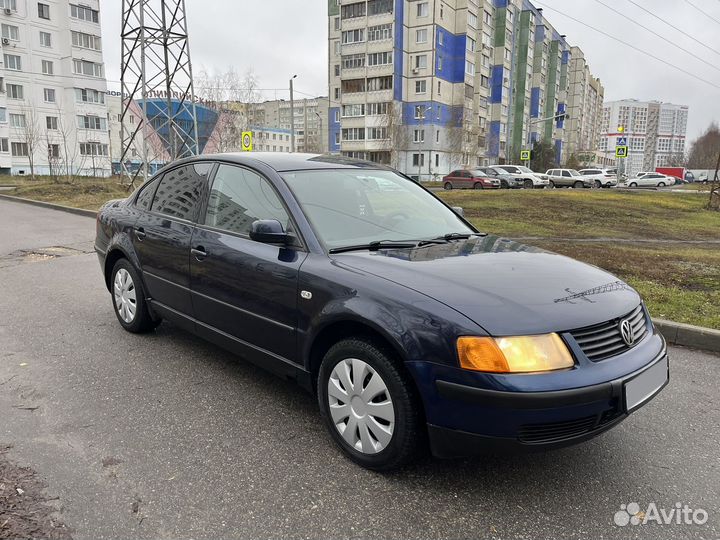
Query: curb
point(687, 335)
point(51, 206)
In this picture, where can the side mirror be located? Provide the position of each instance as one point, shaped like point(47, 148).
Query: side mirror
point(269, 231)
point(458, 210)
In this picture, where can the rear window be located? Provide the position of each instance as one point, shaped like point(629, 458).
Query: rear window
point(147, 192)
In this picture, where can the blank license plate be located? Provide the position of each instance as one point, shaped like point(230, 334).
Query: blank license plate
point(645, 385)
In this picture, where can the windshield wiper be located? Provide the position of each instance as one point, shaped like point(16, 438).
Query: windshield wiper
point(374, 246)
point(458, 236)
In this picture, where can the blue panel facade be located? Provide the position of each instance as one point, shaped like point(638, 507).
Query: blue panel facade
point(398, 55)
point(333, 129)
point(535, 102)
point(494, 139)
point(496, 84)
point(558, 151)
point(451, 55)
point(565, 57)
point(560, 122)
point(539, 33)
point(500, 3)
point(206, 120)
point(438, 114)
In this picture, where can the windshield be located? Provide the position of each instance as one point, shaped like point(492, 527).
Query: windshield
point(358, 206)
point(525, 170)
point(573, 172)
point(481, 172)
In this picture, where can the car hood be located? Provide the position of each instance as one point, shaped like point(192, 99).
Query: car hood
point(506, 287)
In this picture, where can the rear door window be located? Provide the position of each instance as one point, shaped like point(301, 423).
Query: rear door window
point(181, 190)
point(566, 173)
point(145, 198)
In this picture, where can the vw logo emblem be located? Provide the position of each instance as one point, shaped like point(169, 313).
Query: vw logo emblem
point(627, 332)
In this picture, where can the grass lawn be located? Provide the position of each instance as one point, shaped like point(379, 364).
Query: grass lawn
point(680, 282)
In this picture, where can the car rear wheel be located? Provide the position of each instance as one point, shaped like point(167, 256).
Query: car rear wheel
point(528, 184)
point(128, 298)
point(598, 184)
point(551, 185)
point(633, 184)
point(477, 185)
point(369, 405)
point(661, 184)
point(578, 185)
point(448, 186)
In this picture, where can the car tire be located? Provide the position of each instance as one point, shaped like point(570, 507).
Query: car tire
point(598, 184)
point(382, 443)
point(477, 185)
point(448, 186)
point(551, 185)
point(128, 299)
point(633, 184)
point(504, 184)
point(528, 184)
point(661, 184)
point(578, 185)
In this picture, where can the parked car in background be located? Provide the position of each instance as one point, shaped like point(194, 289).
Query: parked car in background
point(601, 177)
point(569, 178)
point(648, 179)
point(530, 179)
point(408, 325)
point(507, 180)
point(470, 179)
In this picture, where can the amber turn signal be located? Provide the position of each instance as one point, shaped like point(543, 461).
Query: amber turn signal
point(518, 354)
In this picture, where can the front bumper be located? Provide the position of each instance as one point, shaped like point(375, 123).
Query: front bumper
point(465, 420)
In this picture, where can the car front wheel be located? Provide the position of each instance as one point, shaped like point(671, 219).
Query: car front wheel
point(598, 184)
point(369, 405)
point(578, 185)
point(551, 185)
point(448, 186)
point(661, 184)
point(129, 299)
point(477, 185)
point(528, 184)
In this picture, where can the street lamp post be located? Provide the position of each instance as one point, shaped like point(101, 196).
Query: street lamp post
point(292, 115)
point(423, 111)
point(320, 136)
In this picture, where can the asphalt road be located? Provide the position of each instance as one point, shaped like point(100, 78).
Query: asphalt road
point(167, 436)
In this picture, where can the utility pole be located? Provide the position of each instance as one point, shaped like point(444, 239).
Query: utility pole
point(714, 202)
point(292, 115)
point(321, 145)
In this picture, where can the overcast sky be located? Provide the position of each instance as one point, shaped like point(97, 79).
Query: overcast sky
point(279, 38)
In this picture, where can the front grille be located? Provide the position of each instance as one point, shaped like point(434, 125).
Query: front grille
point(556, 431)
point(604, 340)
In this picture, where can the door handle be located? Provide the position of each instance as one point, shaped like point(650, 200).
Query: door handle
point(199, 253)
point(140, 233)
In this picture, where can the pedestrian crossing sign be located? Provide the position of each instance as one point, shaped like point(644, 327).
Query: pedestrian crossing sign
point(247, 141)
point(524, 155)
point(621, 151)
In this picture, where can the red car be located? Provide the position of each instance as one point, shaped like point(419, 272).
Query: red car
point(470, 179)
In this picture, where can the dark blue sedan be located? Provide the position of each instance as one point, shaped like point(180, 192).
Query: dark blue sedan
point(407, 323)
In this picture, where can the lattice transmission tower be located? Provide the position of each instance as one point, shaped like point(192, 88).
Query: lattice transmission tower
point(156, 75)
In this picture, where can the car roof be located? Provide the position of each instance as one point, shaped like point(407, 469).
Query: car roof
point(286, 161)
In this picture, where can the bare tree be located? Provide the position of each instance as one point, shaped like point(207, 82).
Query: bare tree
point(29, 134)
point(703, 151)
point(396, 132)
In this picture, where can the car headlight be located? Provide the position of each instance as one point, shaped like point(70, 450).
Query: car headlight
point(519, 354)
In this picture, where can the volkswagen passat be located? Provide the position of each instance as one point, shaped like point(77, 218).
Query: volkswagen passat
point(407, 323)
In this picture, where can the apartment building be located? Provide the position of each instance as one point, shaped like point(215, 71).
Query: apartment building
point(655, 133)
point(585, 106)
point(53, 115)
point(429, 86)
point(311, 121)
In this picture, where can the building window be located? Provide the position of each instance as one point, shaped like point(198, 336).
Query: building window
point(374, 109)
point(88, 95)
point(17, 120)
point(472, 19)
point(86, 41)
point(91, 69)
point(470, 44)
point(3, 115)
point(439, 63)
point(8, 4)
point(419, 136)
point(380, 32)
point(439, 87)
point(487, 18)
point(84, 13)
point(353, 134)
point(422, 9)
point(349, 111)
point(51, 122)
point(19, 149)
point(337, 138)
point(13, 61)
point(336, 116)
point(420, 111)
point(15, 91)
point(421, 61)
point(418, 160)
point(469, 68)
point(337, 70)
point(421, 35)
point(49, 95)
point(378, 7)
point(337, 23)
point(43, 11)
point(97, 123)
point(10, 32)
point(420, 87)
point(351, 11)
point(377, 133)
point(380, 83)
point(4, 146)
point(47, 67)
point(45, 39)
point(93, 149)
point(337, 93)
point(380, 59)
point(53, 151)
point(353, 36)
